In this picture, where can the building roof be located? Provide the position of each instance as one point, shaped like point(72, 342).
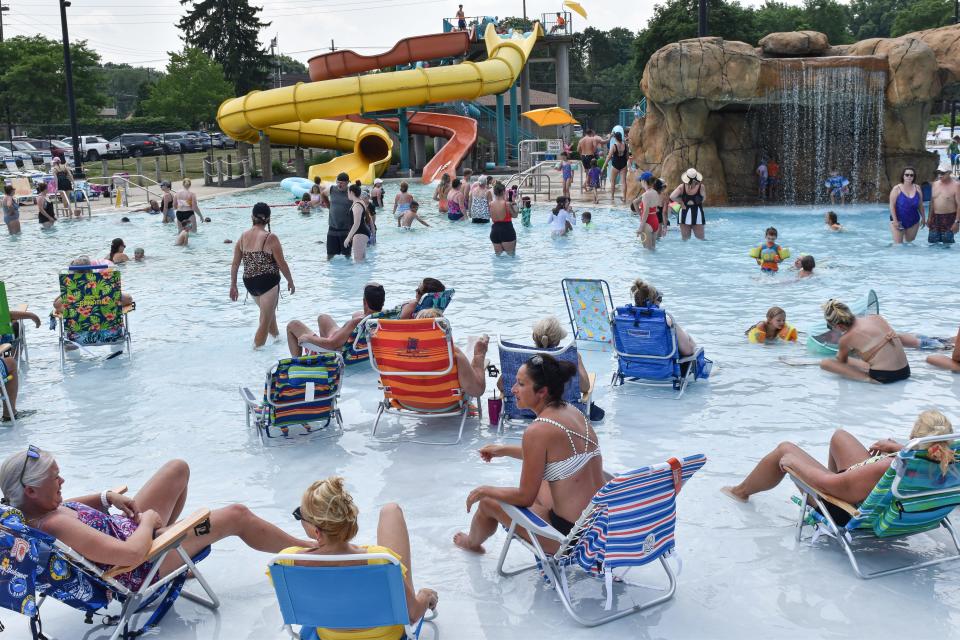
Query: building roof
point(540, 99)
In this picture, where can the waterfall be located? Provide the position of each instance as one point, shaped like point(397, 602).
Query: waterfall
point(821, 118)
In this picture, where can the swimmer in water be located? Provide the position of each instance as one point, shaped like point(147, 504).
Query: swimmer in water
point(830, 218)
point(406, 221)
point(774, 328)
point(806, 265)
point(139, 254)
point(401, 204)
point(951, 363)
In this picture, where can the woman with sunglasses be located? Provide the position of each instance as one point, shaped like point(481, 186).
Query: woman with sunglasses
point(562, 467)
point(329, 517)
point(31, 482)
point(906, 208)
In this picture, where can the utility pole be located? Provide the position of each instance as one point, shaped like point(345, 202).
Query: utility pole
point(71, 103)
point(332, 47)
point(702, 20)
point(5, 7)
point(276, 62)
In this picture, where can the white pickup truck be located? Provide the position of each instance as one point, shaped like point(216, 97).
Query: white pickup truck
point(92, 148)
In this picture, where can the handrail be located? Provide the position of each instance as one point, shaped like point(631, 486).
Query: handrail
point(128, 185)
point(534, 178)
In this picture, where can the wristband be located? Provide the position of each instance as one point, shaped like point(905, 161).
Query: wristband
point(103, 501)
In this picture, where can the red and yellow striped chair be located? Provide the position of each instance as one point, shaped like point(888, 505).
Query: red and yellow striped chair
point(418, 371)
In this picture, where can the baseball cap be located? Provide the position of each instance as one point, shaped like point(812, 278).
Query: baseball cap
point(378, 181)
point(343, 177)
point(646, 176)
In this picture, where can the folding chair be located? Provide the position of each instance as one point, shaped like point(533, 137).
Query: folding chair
point(589, 306)
point(93, 314)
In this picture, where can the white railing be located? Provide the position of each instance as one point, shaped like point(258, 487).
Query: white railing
point(531, 181)
point(129, 187)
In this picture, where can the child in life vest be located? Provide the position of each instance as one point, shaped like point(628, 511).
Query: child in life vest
point(774, 328)
point(769, 254)
point(525, 211)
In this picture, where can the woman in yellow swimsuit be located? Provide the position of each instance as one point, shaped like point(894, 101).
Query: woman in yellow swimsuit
point(329, 517)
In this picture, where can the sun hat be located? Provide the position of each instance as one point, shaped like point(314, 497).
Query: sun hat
point(646, 176)
point(378, 181)
point(691, 174)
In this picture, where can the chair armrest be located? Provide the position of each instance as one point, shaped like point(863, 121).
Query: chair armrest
point(826, 497)
point(170, 538)
point(585, 395)
point(530, 521)
point(247, 396)
point(6, 346)
point(127, 308)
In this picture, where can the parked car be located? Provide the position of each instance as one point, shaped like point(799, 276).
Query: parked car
point(35, 155)
point(223, 141)
point(205, 141)
point(187, 144)
point(55, 148)
point(140, 144)
point(95, 147)
point(169, 145)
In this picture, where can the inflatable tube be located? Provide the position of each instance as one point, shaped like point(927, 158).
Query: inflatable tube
point(296, 186)
point(823, 340)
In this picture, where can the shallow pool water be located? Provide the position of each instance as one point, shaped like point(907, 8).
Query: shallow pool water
point(115, 421)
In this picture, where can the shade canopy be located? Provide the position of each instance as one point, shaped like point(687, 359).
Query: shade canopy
point(575, 6)
point(550, 116)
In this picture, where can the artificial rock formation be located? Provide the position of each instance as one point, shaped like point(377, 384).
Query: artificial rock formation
point(721, 106)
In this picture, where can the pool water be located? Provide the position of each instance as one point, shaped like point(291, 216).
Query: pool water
point(114, 421)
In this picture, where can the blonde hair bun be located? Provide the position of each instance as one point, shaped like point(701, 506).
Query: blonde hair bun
point(934, 423)
point(327, 505)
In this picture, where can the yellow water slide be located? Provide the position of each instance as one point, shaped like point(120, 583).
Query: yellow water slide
point(294, 115)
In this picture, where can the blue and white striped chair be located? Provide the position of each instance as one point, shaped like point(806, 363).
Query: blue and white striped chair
point(629, 523)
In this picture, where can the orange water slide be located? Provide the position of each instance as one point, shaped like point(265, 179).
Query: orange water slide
point(434, 46)
point(460, 132)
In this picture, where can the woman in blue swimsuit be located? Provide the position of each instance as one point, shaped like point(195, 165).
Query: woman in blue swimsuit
point(906, 208)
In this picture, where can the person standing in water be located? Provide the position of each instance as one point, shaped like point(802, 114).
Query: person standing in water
point(690, 195)
point(261, 253)
point(167, 209)
point(359, 234)
point(11, 210)
point(502, 234)
point(906, 208)
point(442, 192)
point(944, 204)
point(401, 204)
point(187, 208)
point(617, 159)
point(341, 219)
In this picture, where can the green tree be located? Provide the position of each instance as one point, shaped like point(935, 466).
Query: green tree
point(229, 32)
point(829, 17)
point(33, 84)
point(873, 18)
point(923, 14)
point(289, 65)
point(773, 16)
point(192, 89)
point(122, 84)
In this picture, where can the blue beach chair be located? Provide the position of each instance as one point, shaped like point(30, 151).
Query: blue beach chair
point(512, 357)
point(647, 353)
point(298, 391)
point(629, 523)
point(588, 306)
point(435, 300)
point(35, 566)
point(341, 597)
point(911, 497)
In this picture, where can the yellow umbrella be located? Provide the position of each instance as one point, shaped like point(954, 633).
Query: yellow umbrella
point(550, 116)
point(575, 6)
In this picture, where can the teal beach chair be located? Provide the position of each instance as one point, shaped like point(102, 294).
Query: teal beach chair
point(341, 597)
point(298, 391)
point(435, 300)
point(912, 497)
point(629, 523)
point(589, 307)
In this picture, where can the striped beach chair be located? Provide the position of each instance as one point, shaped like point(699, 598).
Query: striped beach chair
point(435, 300)
point(512, 357)
point(911, 497)
point(629, 523)
point(589, 305)
point(418, 371)
point(298, 391)
point(93, 314)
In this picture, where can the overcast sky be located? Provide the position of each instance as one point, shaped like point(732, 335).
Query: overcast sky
point(141, 32)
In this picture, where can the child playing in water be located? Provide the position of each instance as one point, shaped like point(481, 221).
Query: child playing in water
point(562, 218)
point(839, 187)
point(831, 221)
point(401, 204)
point(593, 179)
point(774, 328)
point(304, 205)
point(525, 211)
point(805, 264)
point(139, 254)
point(586, 218)
point(566, 172)
point(411, 214)
point(769, 254)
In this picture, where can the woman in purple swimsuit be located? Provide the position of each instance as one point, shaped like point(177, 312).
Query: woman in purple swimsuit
point(906, 208)
point(30, 481)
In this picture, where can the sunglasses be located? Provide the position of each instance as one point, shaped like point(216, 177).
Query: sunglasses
point(909, 175)
point(297, 514)
point(33, 453)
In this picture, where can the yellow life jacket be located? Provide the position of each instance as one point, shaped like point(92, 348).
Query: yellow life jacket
point(758, 334)
point(768, 256)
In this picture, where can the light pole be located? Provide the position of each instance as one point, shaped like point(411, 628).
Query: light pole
point(702, 19)
point(3, 8)
point(71, 104)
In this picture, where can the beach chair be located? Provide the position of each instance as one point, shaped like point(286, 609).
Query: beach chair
point(35, 566)
point(512, 356)
point(911, 497)
point(92, 315)
point(298, 391)
point(647, 353)
point(588, 306)
point(341, 597)
point(12, 333)
point(12, 168)
point(28, 167)
point(435, 300)
point(824, 340)
point(629, 523)
point(23, 189)
point(355, 349)
point(418, 371)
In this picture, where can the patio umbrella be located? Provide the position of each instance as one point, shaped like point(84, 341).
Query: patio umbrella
point(575, 6)
point(550, 116)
